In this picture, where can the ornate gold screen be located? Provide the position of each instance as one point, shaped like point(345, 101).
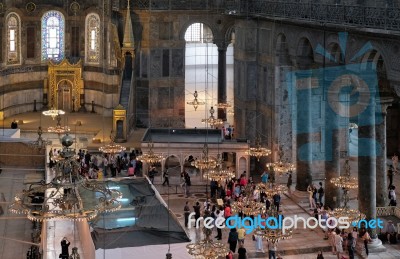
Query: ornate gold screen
point(65, 71)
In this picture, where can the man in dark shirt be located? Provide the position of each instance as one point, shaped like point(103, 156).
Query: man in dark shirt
point(196, 209)
point(242, 252)
point(64, 248)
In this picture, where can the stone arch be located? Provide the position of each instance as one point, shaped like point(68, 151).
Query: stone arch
point(304, 54)
point(335, 54)
point(187, 24)
point(173, 163)
point(230, 35)
point(374, 59)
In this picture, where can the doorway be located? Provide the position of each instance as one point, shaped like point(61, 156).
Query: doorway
point(64, 96)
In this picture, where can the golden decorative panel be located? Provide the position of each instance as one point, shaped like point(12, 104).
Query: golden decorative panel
point(68, 72)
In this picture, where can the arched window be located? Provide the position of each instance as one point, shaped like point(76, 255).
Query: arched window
point(53, 36)
point(92, 38)
point(13, 38)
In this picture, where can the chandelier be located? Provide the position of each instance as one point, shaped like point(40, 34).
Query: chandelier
point(207, 248)
point(223, 105)
point(247, 205)
point(53, 112)
point(219, 175)
point(39, 143)
point(270, 189)
point(346, 182)
point(58, 128)
point(112, 148)
point(281, 167)
point(150, 157)
point(231, 112)
point(258, 151)
point(63, 194)
point(211, 120)
point(271, 233)
point(195, 102)
point(206, 162)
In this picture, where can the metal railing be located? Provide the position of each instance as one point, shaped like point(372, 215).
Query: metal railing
point(385, 17)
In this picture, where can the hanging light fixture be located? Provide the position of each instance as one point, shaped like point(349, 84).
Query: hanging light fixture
point(211, 120)
point(53, 112)
point(207, 248)
point(150, 157)
point(258, 151)
point(224, 106)
point(205, 162)
point(39, 143)
point(195, 103)
point(58, 128)
point(219, 174)
point(247, 205)
point(274, 233)
point(62, 194)
point(280, 167)
point(346, 182)
point(112, 148)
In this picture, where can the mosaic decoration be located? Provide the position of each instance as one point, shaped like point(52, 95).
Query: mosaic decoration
point(53, 27)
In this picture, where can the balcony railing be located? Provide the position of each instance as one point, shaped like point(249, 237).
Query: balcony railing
point(387, 18)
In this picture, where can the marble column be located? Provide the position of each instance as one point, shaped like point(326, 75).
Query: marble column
point(332, 157)
point(222, 78)
point(367, 163)
point(381, 175)
point(303, 132)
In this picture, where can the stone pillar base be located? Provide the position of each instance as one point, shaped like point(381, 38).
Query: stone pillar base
point(374, 247)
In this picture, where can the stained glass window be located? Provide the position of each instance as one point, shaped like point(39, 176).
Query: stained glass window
point(13, 36)
point(53, 26)
point(92, 38)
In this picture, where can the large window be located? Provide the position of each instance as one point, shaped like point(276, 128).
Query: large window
point(53, 36)
point(92, 41)
point(13, 38)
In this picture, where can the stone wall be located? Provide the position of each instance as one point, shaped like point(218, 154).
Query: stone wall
point(17, 154)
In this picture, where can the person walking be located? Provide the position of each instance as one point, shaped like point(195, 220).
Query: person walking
point(186, 211)
point(310, 190)
point(351, 245)
point(277, 201)
point(321, 193)
point(390, 175)
point(242, 252)
point(289, 183)
point(233, 239)
point(338, 244)
point(166, 177)
point(219, 217)
point(196, 209)
point(259, 244)
point(272, 247)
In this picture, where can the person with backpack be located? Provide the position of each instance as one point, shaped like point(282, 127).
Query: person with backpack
point(320, 193)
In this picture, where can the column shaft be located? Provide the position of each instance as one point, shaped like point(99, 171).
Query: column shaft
point(381, 176)
point(303, 139)
point(367, 163)
point(222, 81)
